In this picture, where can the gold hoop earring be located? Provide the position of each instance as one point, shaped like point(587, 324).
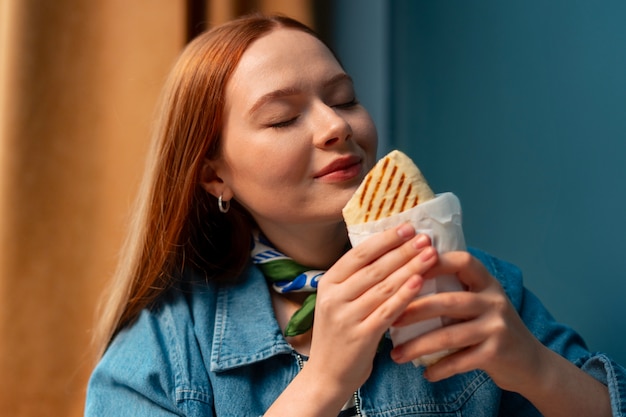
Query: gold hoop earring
point(224, 206)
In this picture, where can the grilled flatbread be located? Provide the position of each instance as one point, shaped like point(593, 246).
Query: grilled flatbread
point(394, 185)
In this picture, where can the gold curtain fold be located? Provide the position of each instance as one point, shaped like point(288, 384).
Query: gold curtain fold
point(78, 85)
point(79, 81)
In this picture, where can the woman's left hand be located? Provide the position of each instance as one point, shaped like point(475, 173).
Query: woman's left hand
point(489, 334)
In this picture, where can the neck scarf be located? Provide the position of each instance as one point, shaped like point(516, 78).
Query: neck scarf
point(286, 275)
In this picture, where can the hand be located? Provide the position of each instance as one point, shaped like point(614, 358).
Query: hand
point(490, 335)
point(358, 299)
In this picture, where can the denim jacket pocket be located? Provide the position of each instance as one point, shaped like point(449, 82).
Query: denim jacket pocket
point(401, 390)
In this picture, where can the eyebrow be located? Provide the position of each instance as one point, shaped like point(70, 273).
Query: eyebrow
point(290, 91)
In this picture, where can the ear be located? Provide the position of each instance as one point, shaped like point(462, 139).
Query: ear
point(211, 181)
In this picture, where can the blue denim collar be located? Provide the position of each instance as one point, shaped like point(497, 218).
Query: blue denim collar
point(246, 330)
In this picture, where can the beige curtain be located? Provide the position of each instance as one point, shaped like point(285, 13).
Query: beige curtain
point(78, 84)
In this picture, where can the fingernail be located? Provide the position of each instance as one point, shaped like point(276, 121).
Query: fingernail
point(427, 254)
point(406, 231)
point(421, 241)
point(397, 355)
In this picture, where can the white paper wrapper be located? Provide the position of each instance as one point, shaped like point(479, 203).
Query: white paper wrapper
point(440, 218)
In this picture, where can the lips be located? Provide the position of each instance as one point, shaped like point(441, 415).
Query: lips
point(346, 166)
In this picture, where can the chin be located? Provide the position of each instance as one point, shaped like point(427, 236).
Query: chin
point(346, 194)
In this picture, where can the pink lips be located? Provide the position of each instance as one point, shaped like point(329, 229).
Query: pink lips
point(341, 169)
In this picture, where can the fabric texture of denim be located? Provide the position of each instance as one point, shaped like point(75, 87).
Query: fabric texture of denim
point(211, 350)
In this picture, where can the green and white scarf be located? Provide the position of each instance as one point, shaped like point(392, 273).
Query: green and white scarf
point(286, 275)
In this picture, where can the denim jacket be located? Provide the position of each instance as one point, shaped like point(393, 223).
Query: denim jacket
point(210, 350)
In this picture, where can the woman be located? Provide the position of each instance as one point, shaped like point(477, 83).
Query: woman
point(261, 135)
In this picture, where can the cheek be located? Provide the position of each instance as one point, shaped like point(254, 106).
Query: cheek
point(265, 169)
point(268, 182)
point(367, 137)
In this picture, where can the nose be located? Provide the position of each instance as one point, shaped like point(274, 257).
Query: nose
point(330, 128)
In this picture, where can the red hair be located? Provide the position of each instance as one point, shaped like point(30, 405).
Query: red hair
point(176, 222)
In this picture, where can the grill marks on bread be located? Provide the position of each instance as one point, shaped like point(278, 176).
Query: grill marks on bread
point(370, 207)
point(376, 207)
point(394, 185)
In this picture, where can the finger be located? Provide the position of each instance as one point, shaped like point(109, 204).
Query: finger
point(372, 249)
point(381, 317)
point(458, 305)
point(389, 298)
point(394, 250)
point(414, 257)
point(381, 289)
point(390, 295)
point(452, 337)
point(461, 361)
point(468, 269)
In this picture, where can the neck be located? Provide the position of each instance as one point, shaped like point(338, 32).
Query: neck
point(315, 246)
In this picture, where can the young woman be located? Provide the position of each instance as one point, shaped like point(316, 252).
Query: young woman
point(260, 143)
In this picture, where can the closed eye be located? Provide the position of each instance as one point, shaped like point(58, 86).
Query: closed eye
point(283, 124)
point(347, 105)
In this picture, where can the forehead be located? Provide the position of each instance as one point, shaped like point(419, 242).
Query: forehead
point(284, 58)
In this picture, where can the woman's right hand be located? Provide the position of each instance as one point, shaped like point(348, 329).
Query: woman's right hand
point(359, 298)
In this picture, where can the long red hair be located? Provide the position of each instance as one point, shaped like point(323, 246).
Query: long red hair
point(176, 222)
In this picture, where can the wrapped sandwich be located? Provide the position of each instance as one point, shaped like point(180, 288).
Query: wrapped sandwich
point(396, 192)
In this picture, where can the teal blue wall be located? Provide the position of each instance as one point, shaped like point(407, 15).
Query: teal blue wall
point(519, 107)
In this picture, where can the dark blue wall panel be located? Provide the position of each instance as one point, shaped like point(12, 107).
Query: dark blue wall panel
point(519, 108)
